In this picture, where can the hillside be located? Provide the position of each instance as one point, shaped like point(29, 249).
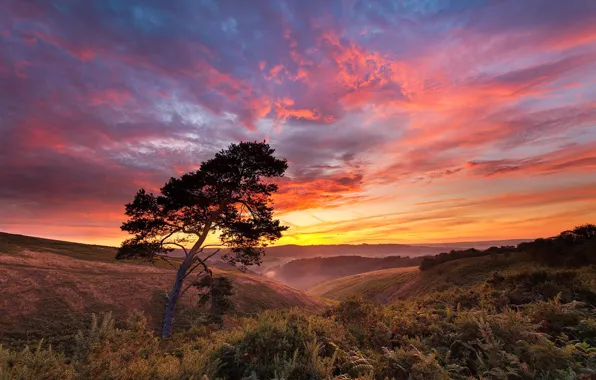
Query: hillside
point(401, 283)
point(51, 285)
point(493, 316)
point(305, 273)
point(466, 268)
point(378, 285)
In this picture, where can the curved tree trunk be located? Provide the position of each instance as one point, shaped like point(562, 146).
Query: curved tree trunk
point(168, 320)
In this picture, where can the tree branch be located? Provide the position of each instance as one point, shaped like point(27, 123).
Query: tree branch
point(191, 270)
point(167, 261)
point(208, 257)
point(252, 213)
point(178, 245)
point(206, 228)
point(194, 281)
point(168, 235)
point(200, 262)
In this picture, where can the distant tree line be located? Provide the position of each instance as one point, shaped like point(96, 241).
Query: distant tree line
point(346, 265)
point(574, 247)
point(432, 261)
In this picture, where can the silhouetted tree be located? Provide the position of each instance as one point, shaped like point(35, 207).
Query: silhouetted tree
point(584, 232)
point(443, 257)
point(574, 247)
point(227, 198)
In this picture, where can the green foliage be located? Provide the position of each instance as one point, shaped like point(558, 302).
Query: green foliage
point(575, 247)
point(290, 343)
point(34, 364)
point(217, 292)
point(133, 352)
point(424, 338)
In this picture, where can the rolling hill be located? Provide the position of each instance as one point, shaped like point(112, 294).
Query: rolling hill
point(378, 285)
point(390, 285)
point(52, 285)
point(370, 250)
point(305, 273)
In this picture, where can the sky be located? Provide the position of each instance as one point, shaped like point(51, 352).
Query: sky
point(403, 121)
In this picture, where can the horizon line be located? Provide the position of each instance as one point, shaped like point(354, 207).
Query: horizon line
point(447, 244)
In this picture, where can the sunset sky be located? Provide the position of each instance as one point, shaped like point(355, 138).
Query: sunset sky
point(403, 121)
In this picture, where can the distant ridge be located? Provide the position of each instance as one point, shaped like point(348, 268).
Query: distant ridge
point(483, 244)
point(324, 250)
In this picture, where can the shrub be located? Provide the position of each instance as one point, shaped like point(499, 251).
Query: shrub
point(33, 364)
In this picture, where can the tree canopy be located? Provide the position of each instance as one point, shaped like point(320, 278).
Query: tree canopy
point(229, 196)
point(226, 196)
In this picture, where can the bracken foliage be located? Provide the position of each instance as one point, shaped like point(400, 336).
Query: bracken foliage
point(525, 323)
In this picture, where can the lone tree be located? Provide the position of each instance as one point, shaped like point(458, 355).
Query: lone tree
point(229, 197)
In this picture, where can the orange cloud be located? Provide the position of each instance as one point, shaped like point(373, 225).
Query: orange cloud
point(323, 192)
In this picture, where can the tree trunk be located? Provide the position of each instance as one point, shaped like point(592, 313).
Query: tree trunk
point(168, 320)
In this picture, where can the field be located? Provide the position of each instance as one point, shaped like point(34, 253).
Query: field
point(16, 244)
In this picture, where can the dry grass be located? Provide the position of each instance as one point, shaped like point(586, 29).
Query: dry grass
point(390, 285)
point(371, 285)
point(46, 292)
point(11, 243)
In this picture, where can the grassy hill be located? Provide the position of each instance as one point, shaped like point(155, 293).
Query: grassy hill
point(12, 243)
point(390, 285)
point(466, 268)
point(50, 286)
point(304, 273)
point(370, 285)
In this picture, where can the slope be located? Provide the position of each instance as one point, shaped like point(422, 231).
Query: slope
point(400, 283)
point(51, 285)
point(369, 285)
point(305, 273)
